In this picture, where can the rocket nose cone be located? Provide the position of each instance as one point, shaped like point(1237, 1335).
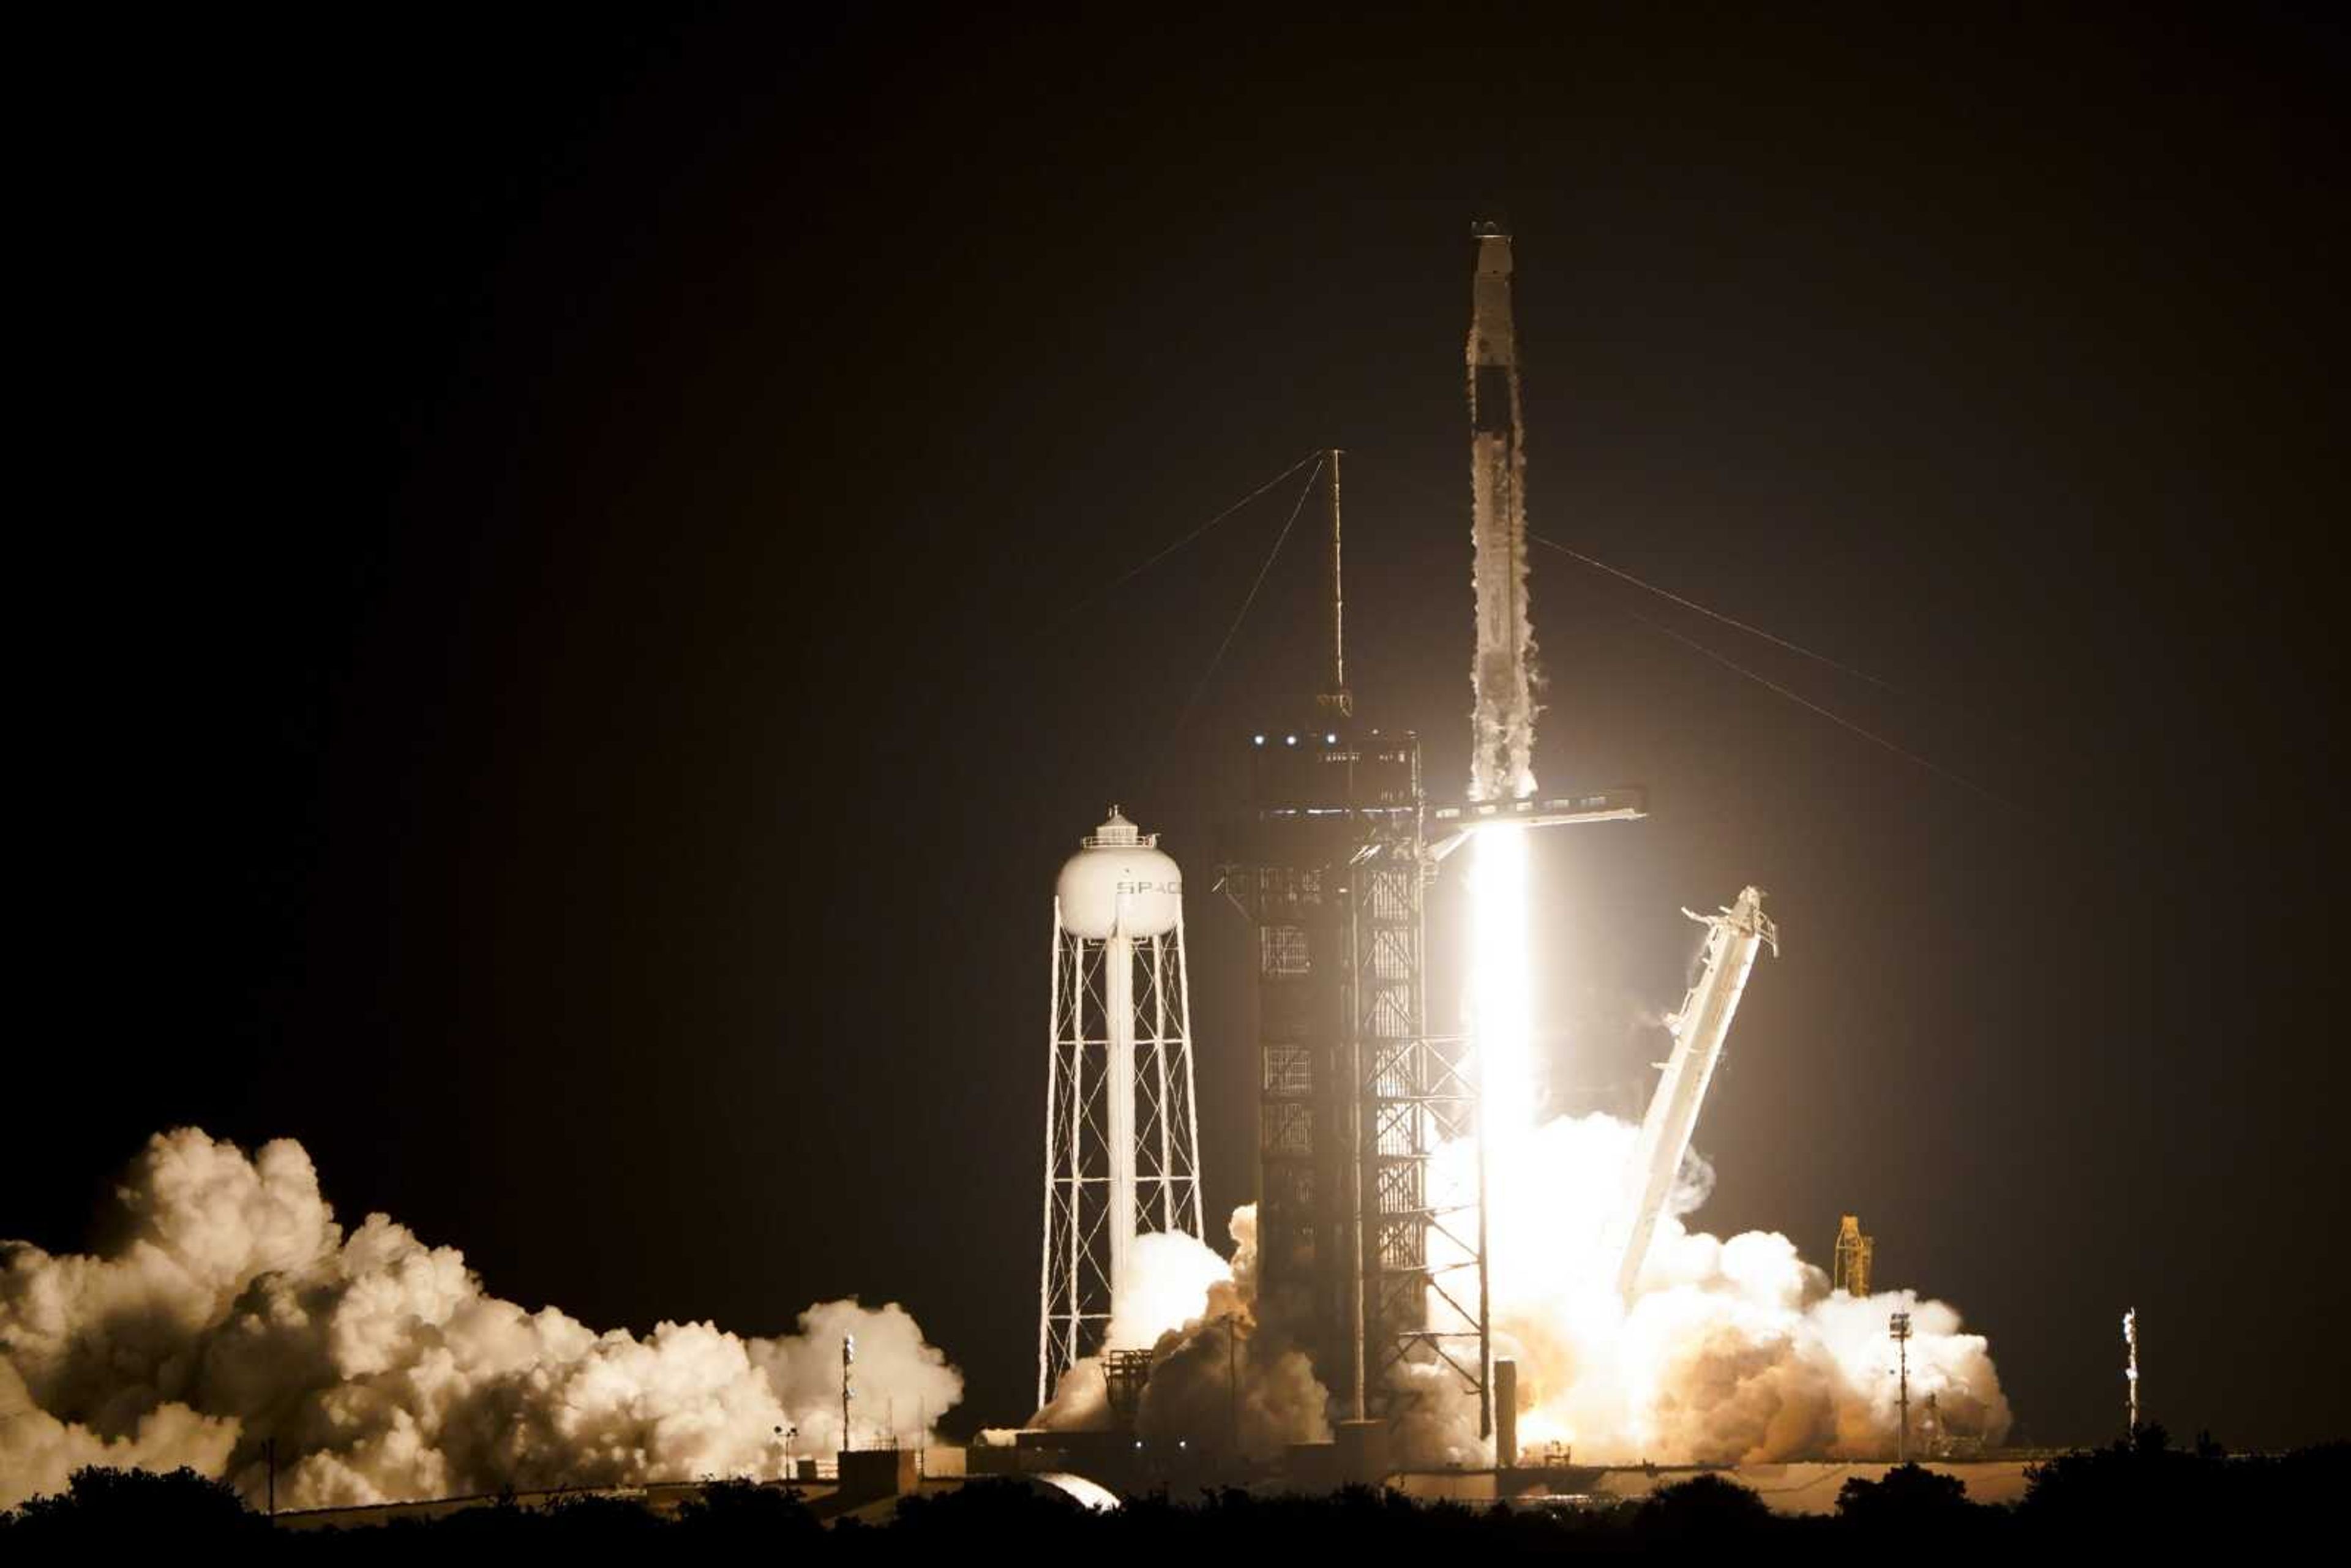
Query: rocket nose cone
point(1493, 252)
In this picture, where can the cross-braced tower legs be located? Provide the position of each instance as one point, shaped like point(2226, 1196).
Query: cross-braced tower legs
point(1122, 1124)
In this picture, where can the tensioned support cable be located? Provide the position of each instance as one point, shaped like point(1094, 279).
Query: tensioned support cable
point(1163, 553)
point(1714, 614)
point(1233, 631)
point(1838, 719)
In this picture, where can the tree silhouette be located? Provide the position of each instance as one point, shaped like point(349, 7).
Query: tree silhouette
point(1706, 1507)
point(1907, 1498)
point(2142, 1495)
point(748, 1514)
point(148, 1507)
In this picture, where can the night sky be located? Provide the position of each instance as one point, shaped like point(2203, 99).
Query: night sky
point(563, 620)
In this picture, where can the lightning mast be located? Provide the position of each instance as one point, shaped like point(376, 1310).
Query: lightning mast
point(1699, 1030)
point(1334, 700)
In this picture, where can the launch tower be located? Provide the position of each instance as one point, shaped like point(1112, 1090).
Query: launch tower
point(1331, 864)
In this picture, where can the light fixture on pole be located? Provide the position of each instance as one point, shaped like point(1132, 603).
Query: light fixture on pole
point(1899, 1328)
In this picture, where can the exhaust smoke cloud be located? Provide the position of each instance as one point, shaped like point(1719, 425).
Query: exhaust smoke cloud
point(1723, 1351)
point(235, 1310)
point(1727, 1350)
point(1227, 1373)
point(1717, 1350)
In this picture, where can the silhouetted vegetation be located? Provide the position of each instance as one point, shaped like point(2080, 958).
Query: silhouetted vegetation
point(2148, 1492)
point(1701, 1511)
point(2141, 1494)
point(1907, 1497)
point(100, 1508)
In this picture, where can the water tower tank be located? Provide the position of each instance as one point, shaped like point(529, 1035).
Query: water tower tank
point(1122, 1126)
point(1120, 884)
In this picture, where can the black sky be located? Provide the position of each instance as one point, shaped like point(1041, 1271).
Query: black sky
point(559, 648)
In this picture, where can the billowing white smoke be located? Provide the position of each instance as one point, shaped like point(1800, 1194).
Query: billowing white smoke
point(1169, 1274)
point(1728, 1350)
point(1172, 1274)
point(1223, 1369)
point(236, 1310)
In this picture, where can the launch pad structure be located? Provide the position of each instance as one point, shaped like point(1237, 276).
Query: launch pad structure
point(1370, 1259)
point(1331, 867)
point(1355, 1093)
point(1332, 863)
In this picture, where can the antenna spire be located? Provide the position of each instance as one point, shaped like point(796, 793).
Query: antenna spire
point(1335, 698)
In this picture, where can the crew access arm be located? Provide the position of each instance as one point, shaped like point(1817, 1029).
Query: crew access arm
point(1700, 1029)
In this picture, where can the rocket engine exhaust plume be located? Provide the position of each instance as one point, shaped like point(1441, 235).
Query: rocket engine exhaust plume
point(1729, 1350)
point(1723, 1351)
point(236, 1311)
point(1500, 1002)
point(1708, 1351)
point(1635, 1337)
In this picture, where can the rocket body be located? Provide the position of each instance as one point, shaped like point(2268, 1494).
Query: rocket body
point(1502, 719)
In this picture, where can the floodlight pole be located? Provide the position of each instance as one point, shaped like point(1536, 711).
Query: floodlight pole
point(1900, 1329)
point(847, 1359)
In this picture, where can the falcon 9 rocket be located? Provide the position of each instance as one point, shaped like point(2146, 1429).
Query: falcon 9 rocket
point(1501, 763)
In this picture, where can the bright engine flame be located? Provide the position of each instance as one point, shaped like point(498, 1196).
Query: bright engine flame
point(1500, 1003)
point(1726, 1351)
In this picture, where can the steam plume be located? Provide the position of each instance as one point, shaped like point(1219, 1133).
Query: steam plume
point(236, 1310)
point(1727, 1350)
point(1224, 1370)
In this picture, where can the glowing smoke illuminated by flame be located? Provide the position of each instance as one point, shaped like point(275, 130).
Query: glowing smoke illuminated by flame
point(1727, 1350)
point(1721, 1351)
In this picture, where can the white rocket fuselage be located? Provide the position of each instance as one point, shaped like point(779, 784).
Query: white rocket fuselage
point(1501, 766)
point(1699, 1030)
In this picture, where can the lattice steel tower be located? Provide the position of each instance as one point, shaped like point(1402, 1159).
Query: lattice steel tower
point(1122, 1125)
point(1356, 1094)
point(1331, 862)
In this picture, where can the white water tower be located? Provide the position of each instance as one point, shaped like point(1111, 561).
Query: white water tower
point(1122, 1127)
